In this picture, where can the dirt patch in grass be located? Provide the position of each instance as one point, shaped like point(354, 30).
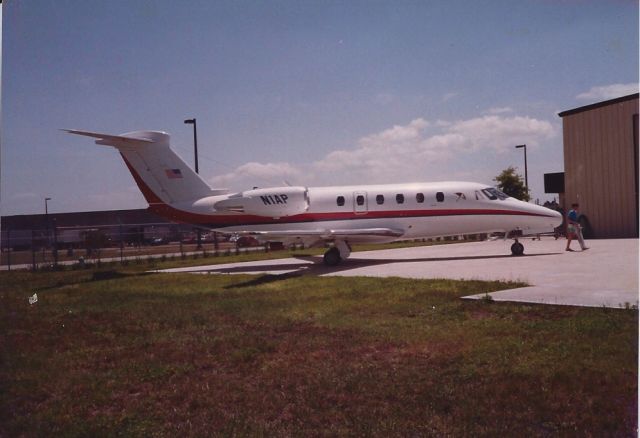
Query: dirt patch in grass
point(234, 355)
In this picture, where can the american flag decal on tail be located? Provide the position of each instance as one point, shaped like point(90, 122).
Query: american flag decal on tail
point(173, 173)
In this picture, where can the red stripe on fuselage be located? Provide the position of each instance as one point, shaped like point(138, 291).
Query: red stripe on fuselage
point(216, 220)
point(160, 208)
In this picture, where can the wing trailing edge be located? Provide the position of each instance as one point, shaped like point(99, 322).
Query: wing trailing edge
point(331, 234)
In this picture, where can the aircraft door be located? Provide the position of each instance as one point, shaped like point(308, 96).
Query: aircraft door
point(360, 202)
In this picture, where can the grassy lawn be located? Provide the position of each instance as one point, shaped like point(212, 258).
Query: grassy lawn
point(129, 353)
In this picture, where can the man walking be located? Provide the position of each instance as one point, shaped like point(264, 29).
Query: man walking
point(574, 228)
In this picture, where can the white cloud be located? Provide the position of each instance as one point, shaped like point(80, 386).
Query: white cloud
point(501, 133)
point(257, 174)
point(398, 133)
point(500, 110)
point(418, 151)
point(609, 91)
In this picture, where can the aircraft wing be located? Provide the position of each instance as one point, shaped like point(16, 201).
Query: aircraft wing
point(355, 234)
point(373, 232)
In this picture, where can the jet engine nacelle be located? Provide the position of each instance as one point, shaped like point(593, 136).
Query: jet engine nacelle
point(272, 202)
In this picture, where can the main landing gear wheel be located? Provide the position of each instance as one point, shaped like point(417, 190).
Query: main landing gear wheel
point(332, 257)
point(517, 249)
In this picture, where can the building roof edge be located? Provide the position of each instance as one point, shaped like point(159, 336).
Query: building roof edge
point(598, 105)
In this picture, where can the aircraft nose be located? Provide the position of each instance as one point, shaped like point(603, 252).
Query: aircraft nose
point(547, 218)
point(557, 218)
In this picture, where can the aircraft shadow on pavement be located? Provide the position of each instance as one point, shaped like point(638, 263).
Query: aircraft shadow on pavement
point(313, 265)
point(354, 263)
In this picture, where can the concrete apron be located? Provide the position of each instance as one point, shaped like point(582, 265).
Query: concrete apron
point(604, 276)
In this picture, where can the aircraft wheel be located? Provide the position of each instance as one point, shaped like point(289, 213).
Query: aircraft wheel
point(517, 249)
point(332, 257)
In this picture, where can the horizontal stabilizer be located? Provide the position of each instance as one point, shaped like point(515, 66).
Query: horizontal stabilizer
point(111, 140)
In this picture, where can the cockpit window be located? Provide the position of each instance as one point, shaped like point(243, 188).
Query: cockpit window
point(490, 194)
point(494, 194)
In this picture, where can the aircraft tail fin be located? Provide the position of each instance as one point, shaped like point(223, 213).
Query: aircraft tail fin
point(162, 176)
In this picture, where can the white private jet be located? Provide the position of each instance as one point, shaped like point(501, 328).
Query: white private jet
point(339, 215)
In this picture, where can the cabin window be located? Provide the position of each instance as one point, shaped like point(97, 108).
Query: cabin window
point(340, 201)
point(420, 198)
point(460, 196)
point(400, 198)
point(360, 200)
point(379, 199)
point(440, 197)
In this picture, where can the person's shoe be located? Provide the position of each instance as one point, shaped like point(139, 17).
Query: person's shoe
point(584, 249)
point(569, 249)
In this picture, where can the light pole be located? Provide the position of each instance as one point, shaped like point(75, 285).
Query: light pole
point(46, 217)
point(195, 154)
point(526, 179)
point(195, 139)
point(46, 223)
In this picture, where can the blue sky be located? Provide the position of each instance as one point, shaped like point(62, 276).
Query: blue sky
point(312, 92)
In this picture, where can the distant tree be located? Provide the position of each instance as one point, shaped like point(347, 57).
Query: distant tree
point(512, 184)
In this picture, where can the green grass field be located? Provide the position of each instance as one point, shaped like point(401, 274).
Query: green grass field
point(129, 353)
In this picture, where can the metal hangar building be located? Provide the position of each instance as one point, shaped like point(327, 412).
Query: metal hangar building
point(601, 166)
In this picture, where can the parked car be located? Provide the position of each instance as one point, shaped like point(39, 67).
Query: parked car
point(276, 246)
point(189, 239)
point(244, 241)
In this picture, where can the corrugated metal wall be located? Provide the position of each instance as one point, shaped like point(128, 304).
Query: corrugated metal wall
point(600, 167)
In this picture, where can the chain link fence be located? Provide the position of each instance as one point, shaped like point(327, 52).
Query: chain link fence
point(58, 246)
